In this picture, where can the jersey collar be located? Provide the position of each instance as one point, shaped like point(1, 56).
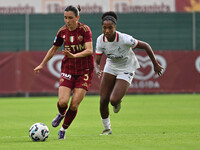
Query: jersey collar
point(116, 38)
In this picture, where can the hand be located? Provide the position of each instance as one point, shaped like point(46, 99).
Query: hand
point(98, 71)
point(67, 53)
point(158, 69)
point(37, 69)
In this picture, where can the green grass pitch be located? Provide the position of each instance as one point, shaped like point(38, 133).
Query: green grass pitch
point(145, 122)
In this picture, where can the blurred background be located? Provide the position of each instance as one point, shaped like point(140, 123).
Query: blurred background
point(172, 28)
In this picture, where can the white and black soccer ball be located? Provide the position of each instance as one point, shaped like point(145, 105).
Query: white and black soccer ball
point(39, 132)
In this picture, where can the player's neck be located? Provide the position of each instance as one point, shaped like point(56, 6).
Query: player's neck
point(73, 28)
point(111, 39)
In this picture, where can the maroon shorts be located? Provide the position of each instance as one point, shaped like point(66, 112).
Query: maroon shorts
point(76, 81)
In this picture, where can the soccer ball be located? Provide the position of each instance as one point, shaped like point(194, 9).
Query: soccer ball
point(39, 132)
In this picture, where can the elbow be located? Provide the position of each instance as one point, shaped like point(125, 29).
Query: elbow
point(90, 51)
point(147, 47)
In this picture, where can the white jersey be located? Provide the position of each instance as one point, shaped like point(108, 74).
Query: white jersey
point(120, 55)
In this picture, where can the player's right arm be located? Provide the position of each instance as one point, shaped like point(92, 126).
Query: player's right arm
point(51, 52)
point(97, 65)
point(98, 55)
point(58, 41)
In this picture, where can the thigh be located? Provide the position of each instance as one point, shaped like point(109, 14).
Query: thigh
point(107, 84)
point(120, 89)
point(78, 95)
point(64, 94)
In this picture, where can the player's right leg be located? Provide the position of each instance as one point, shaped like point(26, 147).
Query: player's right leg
point(107, 84)
point(64, 95)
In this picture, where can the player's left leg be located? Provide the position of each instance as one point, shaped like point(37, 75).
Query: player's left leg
point(77, 97)
point(119, 90)
point(122, 84)
point(81, 86)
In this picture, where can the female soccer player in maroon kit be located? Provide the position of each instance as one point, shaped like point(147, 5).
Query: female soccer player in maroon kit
point(76, 69)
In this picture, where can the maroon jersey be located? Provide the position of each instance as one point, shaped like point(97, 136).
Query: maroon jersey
point(74, 41)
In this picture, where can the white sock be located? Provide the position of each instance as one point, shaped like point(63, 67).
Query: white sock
point(62, 129)
point(106, 123)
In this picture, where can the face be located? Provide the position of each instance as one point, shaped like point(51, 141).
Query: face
point(71, 20)
point(109, 29)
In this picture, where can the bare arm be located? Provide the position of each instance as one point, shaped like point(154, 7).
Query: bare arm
point(88, 51)
point(157, 67)
point(97, 65)
point(48, 56)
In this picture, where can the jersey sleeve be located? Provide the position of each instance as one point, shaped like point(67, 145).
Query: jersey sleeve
point(87, 33)
point(58, 41)
point(98, 50)
point(130, 41)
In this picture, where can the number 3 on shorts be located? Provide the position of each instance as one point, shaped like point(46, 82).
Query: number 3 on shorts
point(86, 77)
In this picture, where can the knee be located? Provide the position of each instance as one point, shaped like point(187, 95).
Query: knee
point(62, 102)
point(73, 107)
point(115, 101)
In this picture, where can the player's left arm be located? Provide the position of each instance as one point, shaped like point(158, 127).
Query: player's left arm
point(88, 51)
point(88, 44)
point(157, 67)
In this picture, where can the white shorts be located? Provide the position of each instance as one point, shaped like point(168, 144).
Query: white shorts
point(127, 76)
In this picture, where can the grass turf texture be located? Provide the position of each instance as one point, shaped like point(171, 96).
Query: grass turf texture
point(145, 122)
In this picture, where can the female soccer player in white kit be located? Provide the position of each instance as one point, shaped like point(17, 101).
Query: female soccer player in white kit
point(120, 67)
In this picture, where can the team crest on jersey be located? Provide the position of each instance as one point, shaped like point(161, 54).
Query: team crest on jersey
point(80, 37)
point(71, 38)
point(61, 80)
point(133, 41)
